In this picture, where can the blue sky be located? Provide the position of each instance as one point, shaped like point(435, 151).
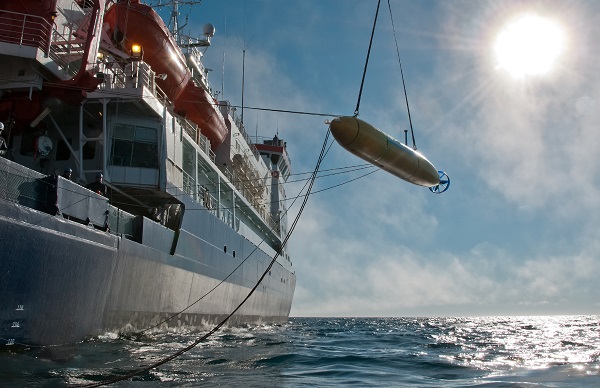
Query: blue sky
point(517, 233)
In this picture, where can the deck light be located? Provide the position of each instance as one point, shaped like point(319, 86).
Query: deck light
point(136, 51)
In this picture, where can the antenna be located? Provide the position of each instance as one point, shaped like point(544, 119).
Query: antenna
point(223, 61)
point(174, 17)
point(243, 80)
point(223, 77)
point(244, 47)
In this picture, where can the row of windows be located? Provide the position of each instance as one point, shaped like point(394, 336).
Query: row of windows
point(62, 150)
point(134, 146)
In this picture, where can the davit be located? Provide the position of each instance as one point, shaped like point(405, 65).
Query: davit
point(382, 150)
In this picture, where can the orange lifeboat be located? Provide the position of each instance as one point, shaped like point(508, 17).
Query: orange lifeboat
point(197, 105)
point(134, 23)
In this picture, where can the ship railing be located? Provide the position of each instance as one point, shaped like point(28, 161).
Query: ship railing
point(22, 185)
point(274, 224)
point(229, 174)
point(248, 192)
point(65, 54)
point(25, 30)
point(250, 189)
point(32, 189)
point(194, 132)
point(240, 125)
point(268, 219)
point(137, 74)
point(258, 204)
point(35, 31)
point(205, 146)
point(207, 200)
point(112, 75)
point(191, 130)
point(190, 46)
point(189, 185)
point(67, 49)
point(228, 218)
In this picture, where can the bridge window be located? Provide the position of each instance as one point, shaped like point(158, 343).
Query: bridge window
point(27, 144)
point(62, 149)
point(134, 146)
point(89, 150)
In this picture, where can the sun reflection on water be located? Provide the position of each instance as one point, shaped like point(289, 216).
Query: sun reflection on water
point(524, 342)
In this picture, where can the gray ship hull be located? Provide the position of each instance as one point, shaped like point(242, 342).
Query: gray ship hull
point(166, 208)
point(63, 281)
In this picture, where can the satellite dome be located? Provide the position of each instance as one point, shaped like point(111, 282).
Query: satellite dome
point(208, 30)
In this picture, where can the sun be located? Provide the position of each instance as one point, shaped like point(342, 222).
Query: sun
point(529, 46)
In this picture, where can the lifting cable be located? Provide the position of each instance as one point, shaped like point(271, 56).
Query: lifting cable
point(402, 75)
point(220, 324)
point(401, 72)
point(310, 179)
point(367, 61)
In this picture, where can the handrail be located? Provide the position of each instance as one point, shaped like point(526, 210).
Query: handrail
point(25, 30)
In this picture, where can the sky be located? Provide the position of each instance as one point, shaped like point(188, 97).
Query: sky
point(517, 232)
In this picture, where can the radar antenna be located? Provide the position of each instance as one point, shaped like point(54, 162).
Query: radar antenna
point(174, 5)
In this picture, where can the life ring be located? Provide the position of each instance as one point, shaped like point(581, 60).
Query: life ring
point(44, 145)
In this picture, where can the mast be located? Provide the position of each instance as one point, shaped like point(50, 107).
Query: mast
point(174, 21)
point(174, 26)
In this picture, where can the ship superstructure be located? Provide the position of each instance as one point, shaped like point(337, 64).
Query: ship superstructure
point(194, 211)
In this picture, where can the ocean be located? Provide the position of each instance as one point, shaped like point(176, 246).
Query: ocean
point(539, 351)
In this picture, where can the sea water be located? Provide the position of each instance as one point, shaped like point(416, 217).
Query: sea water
point(544, 351)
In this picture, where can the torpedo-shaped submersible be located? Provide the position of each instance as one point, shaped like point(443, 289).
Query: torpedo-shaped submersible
point(382, 150)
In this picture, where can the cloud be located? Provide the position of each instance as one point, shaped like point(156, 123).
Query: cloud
point(531, 140)
point(516, 233)
point(486, 280)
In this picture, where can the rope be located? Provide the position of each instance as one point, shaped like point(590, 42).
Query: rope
point(287, 111)
point(234, 270)
point(218, 326)
point(402, 75)
point(367, 61)
point(346, 168)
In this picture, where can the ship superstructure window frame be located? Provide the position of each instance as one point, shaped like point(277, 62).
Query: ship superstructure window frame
point(134, 146)
point(89, 150)
point(188, 165)
point(27, 144)
point(62, 149)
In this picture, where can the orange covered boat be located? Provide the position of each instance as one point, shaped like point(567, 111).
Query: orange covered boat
point(197, 105)
point(133, 23)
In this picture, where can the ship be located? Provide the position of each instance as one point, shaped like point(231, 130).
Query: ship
point(186, 212)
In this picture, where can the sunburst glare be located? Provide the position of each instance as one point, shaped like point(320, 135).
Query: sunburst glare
point(529, 46)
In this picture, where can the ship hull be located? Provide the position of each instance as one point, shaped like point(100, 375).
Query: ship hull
point(62, 281)
point(177, 238)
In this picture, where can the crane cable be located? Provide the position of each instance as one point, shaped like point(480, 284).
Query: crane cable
point(412, 133)
point(402, 75)
point(367, 61)
point(220, 324)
